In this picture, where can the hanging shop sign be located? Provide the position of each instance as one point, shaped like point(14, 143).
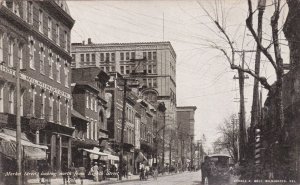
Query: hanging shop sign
point(31, 80)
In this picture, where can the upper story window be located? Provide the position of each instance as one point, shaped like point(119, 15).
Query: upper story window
point(20, 56)
point(58, 111)
point(87, 100)
point(66, 40)
point(1, 98)
point(57, 34)
point(87, 57)
point(144, 55)
point(66, 71)
point(122, 69)
point(92, 103)
point(122, 56)
point(106, 57)
point(50, 64)
point(81, 57)
point(67, 113)
point(93, 57)
point(11, 96)
point(149, 55)
point(43, 104)
point(42, 60)
point(49, 28)
point(1, 47)
point(154, 55)
point(30, 12)
point(31, 54)
point(154, 69)
point(51, 100)
point(41, 19)
point(101, 56)
point(127, 56)
point(10, 52)
point(113, 57)
point(32, 101)
point(96, 104)
point(58, 69)
point(132, 55)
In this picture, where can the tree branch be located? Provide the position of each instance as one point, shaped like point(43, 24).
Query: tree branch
point(249, 24)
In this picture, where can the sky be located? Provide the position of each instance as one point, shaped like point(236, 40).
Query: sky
point(204, 78)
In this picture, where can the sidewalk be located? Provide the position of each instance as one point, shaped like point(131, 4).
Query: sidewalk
point(59, 181)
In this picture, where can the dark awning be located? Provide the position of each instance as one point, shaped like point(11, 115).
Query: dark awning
point(78, 115)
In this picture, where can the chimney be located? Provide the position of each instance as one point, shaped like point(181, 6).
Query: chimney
point(89, 41)
point(83, 42)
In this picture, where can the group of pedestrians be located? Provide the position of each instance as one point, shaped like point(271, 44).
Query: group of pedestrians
point(146, 171)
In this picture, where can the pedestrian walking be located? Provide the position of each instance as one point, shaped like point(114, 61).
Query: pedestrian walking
point(73, 174)
point(81, 174)
point(155, 173)
point(95, 171)
point(65, 171)
point(142, 171)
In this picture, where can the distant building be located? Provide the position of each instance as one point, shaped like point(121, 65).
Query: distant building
point(186, 131)
point(155, 63)
point(36, 35)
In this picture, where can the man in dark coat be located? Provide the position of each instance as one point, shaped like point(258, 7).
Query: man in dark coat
point(205, 169)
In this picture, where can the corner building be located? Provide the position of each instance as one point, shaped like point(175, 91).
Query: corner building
point(35, 35)
point(154, 61)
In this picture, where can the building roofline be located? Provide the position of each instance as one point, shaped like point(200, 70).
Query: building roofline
point(186, 107)
point(125, 44)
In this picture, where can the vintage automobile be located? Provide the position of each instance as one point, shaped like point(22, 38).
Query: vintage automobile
point(220, 168)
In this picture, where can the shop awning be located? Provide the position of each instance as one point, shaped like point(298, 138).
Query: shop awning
point(113, 157)
point(96, 152)
point(30, 150)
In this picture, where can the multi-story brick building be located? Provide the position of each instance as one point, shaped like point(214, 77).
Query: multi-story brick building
point(35, 35)
point(88, 85)
point(154, 61)
point(186, 129)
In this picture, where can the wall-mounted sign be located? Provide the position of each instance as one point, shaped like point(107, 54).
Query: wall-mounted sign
point(37, 124)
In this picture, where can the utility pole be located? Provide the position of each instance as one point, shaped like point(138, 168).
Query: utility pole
point(198, 145)
point(18, 123)
point(163, 154)
point(242, 125)
point(191, 152)
point(122, 131)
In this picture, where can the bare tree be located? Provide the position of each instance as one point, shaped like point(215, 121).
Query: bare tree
point(228, 140)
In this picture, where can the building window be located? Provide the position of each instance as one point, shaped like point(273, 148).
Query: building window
point(154, 55)
point(51, 100)
point(57, 34)
point(92, 103)
point(107, 69)
point(113, 57)
point(93, 57)
point(149, 82)
point(25, 13)
point(149, 69)
point(58, 70)
point(87, 101)
point(96, 105)
point(107, 57)
point(43, 96)
point(154, 69)
point(20, 56)
point(67, 113)
point(42, 60)
point(132, 55)
point(49, 28)
point(50, 65)
point(154, 82)
point(113, 69)
point(121, 56)
point(102, 57)
point(82, 57)
point(95, 124)
point(58, 111)
point(144, 55)
point(87, 57)
point(10, 53)
point(11, 96)
point(122, 69)
point(127, 70)
point(88, 129)
point(149, 55)
point(30, 12)
point(66, 71)
point(31, 54)
point(1, 98)
point(41, 21)
point(33, 93)
point(1, 47)
point(127, 56)
point(66, 40)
